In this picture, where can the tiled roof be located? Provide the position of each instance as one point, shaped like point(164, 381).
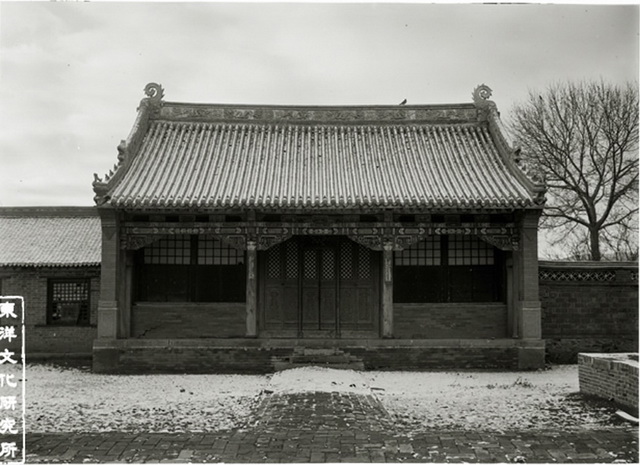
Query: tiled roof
point(49, 240)
point(409, 157)
point(293, 166)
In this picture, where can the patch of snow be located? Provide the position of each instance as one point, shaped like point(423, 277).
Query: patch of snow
point(476, 400)
point(72, 400)
point(318, 379)
point(67, 400)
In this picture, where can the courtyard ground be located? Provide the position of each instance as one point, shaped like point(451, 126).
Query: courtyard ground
point(320, 415)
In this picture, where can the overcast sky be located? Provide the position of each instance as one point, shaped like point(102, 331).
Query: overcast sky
point(72, 74)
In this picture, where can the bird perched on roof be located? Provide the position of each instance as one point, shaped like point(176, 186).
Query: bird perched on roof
point(403, 102)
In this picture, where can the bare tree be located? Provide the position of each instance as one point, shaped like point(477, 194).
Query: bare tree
point(583, 137)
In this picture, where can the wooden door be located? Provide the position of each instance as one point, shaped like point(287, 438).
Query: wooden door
point(318, 290)
point(319, 286)
point(359, 277)
point(279, 275)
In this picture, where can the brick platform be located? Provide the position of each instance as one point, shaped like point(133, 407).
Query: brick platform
point(611, 376)
point(331, 427)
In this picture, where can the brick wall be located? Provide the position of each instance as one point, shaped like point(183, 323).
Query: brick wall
point(585, 308)
point(31, 283)
point(449, 321)
point(188, 320)
point(612, 376)
point(588, 307)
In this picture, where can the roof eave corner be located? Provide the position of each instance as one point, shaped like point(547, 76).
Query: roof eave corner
point(531, 178)
point(128, 149)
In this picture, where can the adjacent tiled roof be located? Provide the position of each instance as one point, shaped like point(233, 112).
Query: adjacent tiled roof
point(216, 157)
point(45, 239)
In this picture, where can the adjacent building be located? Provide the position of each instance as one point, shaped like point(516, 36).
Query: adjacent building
point(51, 257)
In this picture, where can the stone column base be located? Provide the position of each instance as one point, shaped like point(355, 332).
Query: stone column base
point(531, 355)
point(108, 319)
point(530, 319)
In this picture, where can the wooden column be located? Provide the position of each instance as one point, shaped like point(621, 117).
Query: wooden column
point(127, 291)
point(512, 293)
point(252, 290)
point(387, 290)
point(108, 303)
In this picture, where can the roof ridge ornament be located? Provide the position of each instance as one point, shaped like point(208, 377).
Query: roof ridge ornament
point(481, 100)
point(481, 95)
point(154, 92)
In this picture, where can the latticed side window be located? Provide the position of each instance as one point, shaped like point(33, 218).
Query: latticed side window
point(449, 268)
point(424, 253)
point(190, 268)
point(328, 264)
point(309, 264)
point(291, 260)
point(469, 250)
point(170, 250)
point(274, 262)
point(215, 252)
point(346, 259)
point(364, 262)
point(68, 302)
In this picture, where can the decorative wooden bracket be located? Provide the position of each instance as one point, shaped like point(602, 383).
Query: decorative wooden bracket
point(135, 242)
point(266, 241)
point(235, 241)
point(373, 242)
point(508, 242)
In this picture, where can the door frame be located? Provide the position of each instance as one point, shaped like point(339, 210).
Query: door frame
point(265, 285)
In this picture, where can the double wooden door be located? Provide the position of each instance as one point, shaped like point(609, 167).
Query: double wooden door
point(319, 286)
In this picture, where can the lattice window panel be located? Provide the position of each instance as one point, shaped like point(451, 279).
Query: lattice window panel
point(310, 264)
point(70, 302)
point(274, 265)
point(291, 260)
point(576, 276)
point(470, 250)
point(215, 252)
point(364, 262)
point(170, 250)
point(346, 260)
point(72, 291)
point(423, 253)
point(328, 264)
point(634, 276)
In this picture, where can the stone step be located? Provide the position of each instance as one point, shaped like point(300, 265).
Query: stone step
point(355, 365)
point(315, 351)
point(322, 359)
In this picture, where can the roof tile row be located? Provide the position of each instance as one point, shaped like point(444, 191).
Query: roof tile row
point(221, 165)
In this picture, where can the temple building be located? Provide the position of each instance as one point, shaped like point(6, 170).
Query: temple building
point(250, 237)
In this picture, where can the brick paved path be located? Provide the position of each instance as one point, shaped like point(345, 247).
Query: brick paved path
point(331, 427)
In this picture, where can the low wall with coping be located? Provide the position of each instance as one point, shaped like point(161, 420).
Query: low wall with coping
point(588, 307)
point(612, 376)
